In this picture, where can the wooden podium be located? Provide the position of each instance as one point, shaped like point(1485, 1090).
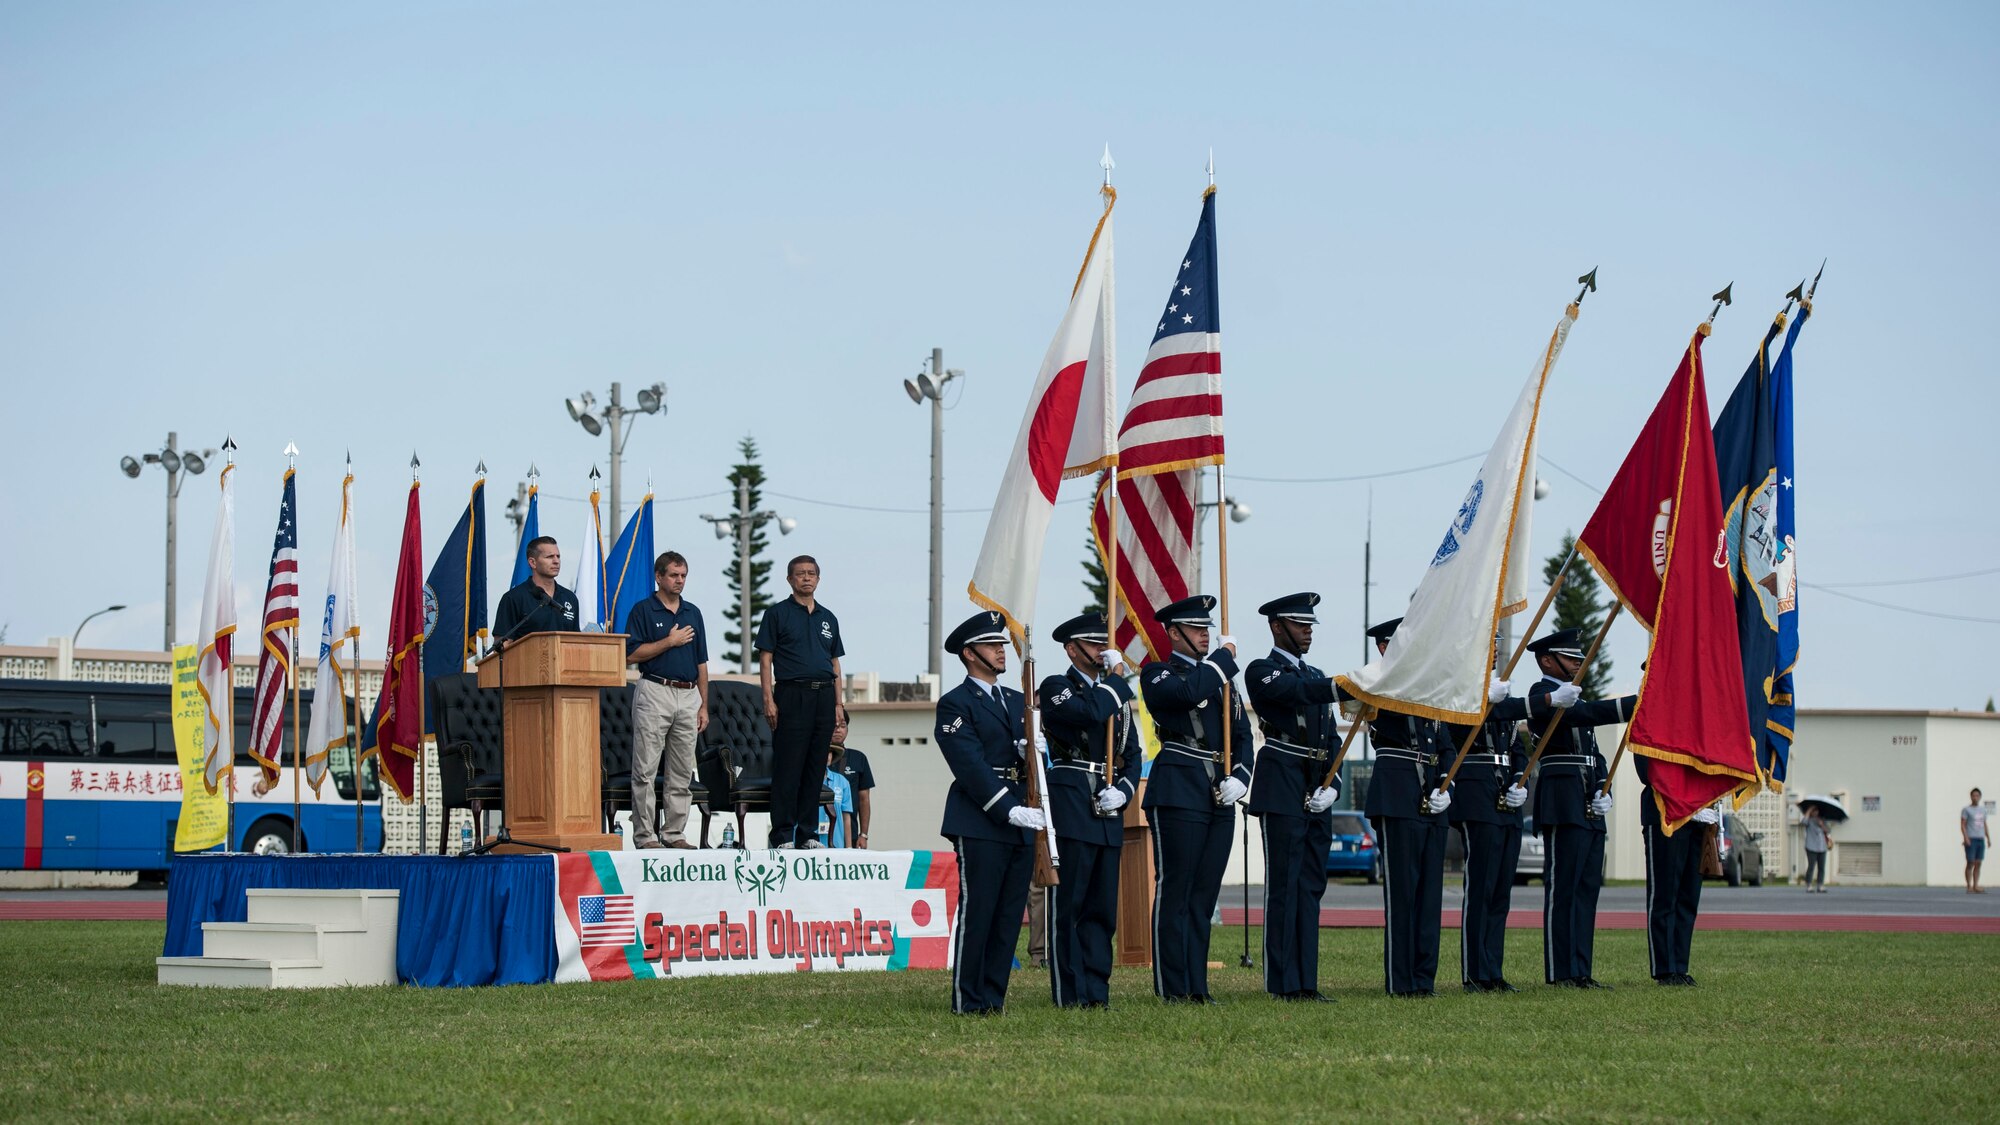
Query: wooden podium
point(549, 716)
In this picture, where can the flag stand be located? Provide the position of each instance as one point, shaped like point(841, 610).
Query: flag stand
point(353, 749)
point(1111, 611)
point(298, 743)
point(1048, 861)
point(1229, 695)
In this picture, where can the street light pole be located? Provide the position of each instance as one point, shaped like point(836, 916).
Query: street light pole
point(742, 524)
point(79, 625)
point(930, 385)
point(583, 408)
point(173, 495)
point(614, 416)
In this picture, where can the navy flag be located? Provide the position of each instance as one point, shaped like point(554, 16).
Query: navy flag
point(1774, 749)
point(628, 571)
point(455, 593)
point(531, 529)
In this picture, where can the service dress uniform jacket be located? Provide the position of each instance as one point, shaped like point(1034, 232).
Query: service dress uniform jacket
point(1491, 834)
point(980, 731)
point(1083, 907)
point(1294, 705)
point(1411, 756)
point(1673, 884)
point(1190, 831)
point(1570, 772)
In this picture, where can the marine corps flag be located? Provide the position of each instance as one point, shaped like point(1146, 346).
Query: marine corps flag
point(1440, 661)
point(1066, 432)
point(399, 710)
point(1657, 539)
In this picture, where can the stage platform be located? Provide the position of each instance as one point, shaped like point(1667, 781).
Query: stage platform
point(462, 921)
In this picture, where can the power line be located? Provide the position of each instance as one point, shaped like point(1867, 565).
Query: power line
point(1904, 608)
point(1907, 581)
point(1359, 476)
point(1570, 475)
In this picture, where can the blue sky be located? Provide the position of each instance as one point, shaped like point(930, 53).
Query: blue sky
point(382, 226)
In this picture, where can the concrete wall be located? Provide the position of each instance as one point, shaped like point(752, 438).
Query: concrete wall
point(1876, 764)
point(1964, 753)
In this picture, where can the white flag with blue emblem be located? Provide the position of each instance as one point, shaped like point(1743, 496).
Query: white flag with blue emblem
point(332, 724)
point(1440, 660)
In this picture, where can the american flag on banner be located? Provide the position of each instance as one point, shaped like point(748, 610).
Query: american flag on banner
point(606, 920)
point(281, 623)
point(1172, 430)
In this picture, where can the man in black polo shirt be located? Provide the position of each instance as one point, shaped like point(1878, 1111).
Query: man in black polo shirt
point(665, 637)
point(799, 651)
point(538, 605)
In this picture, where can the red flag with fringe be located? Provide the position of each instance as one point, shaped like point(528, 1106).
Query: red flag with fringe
point(1656, 537)
point(400, 711)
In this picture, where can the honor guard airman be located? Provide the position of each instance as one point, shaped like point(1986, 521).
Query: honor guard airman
point(1486, 801)
point(1569, 804)
point(1412, 754)
point(981, 732)
point(1190, 799)
point(1294, 705)
point(1086, 713)
point(1673, 883)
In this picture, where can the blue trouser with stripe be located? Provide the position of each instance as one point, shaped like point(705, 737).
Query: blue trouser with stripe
point(1412, 899)
point(1190, 851)
point(992, 893)
point(1294, 881)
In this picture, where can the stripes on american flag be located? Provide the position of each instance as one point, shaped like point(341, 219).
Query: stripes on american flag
point(281, 629)
point(1172, 430)
point(606, 920)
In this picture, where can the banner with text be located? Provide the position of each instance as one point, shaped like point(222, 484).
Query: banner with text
point(204, 820)
point(648, 915)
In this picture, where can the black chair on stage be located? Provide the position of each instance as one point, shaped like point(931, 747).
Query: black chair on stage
point(616, 731)
point(735, 766)
point(466, 719)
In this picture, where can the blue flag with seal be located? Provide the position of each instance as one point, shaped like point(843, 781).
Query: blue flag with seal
point(1776, 742)
point(531, 529)
point(628, 571)
point(455, 592)
point(1746, 468)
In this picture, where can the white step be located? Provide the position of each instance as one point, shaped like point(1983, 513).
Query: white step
point(272, 940)
point(332, 908)
point(241, 972)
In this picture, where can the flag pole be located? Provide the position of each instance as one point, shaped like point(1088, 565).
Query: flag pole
point(1581, 669)
point(1111, 610)
point(423, 755)
point(229, 680)
point(1624, 740)
point(298, 764)
point(1047, 860)
point(1513, 659)
point(1333, 768)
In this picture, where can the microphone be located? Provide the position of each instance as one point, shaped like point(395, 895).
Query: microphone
point(542, 602)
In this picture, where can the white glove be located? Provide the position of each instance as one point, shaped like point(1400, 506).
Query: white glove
point(1566, 695)
point(1231, 790)
point(1021, 816)
point(1351, 708)
point(1707, 815)
point(1110, 800)
point(1438, 801)
point(1516, 796)
point(1601, 804)
point(1110, 658)
point(1321, 800)
point(1497, 690)
point(1041, 745)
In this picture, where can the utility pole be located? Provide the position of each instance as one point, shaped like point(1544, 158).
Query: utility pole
point(744, 527)
point(171, 458)
point(615, 416)
point(930, 385)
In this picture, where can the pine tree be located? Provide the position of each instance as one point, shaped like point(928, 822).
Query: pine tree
point(1093, 567)
point(760, 568)
point(1989, 699)
point(1581, 605)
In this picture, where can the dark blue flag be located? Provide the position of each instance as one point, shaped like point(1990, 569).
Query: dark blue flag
point(1746, 467)
point(1783, 713)
point(531, 529)
point(628, 569)
point(455, 593)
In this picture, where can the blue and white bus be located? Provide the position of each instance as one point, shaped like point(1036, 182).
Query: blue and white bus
point(89, 781)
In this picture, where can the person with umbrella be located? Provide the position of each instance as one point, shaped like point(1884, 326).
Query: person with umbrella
point(1815, 826)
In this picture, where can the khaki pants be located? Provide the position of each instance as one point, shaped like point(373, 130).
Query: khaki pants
point(663, 723)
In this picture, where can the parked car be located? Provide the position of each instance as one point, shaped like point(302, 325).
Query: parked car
point(1742, 858)
point(1353, 851)
point(1532, 864)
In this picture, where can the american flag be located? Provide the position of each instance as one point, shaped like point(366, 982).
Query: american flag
point(606, 920)
point(1172, 430)
point(281, 626)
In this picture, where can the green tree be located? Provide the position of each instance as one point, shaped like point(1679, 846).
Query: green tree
point(1094, 582)
point(1989, 699)
point(1581, 605)
point(760, 568)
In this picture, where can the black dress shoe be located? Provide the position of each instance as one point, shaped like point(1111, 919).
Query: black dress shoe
point(1668, 980)
point(1499, 984)
point(1568, 982)
point(1687, 981)
point(1313, 996)
point(1593, 982)
point(1475, 986)
point(1205, 998)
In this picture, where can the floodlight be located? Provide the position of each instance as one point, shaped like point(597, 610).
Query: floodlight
point(916, 395)
point(129, 466)
point(1238, 512)
point(649, 398)
point(1541, 489)
point(785, 526)
point(928, 386)
point(170, 460)
point(590, 424)
point(192, 462)
point(721, 528)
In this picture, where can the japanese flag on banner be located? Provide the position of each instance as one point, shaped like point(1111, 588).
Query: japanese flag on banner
point(1065, 432)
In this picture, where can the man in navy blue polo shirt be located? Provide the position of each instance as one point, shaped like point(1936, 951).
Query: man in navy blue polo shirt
point(799, 651)
point(541, 604)
point(665, 637)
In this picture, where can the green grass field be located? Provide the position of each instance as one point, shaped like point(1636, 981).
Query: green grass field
point(1785, 1026)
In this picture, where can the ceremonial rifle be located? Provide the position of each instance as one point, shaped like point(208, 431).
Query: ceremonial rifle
point(1047, 860)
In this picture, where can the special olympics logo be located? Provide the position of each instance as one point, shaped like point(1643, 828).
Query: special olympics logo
point(766, 875)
